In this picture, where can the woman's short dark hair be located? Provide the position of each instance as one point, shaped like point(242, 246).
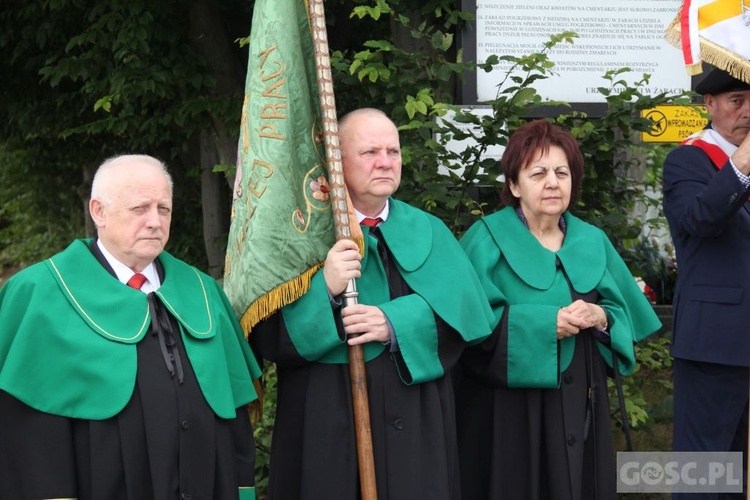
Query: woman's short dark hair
point(532, 140)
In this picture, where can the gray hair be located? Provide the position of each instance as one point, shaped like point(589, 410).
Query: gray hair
point(98, 189)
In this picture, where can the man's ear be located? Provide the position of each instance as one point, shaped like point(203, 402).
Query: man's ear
point(98, 214)
point(710, 103)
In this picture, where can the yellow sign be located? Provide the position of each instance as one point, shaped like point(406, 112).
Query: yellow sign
point(673, 123)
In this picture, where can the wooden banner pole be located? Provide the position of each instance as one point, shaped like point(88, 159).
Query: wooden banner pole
point(360, 401)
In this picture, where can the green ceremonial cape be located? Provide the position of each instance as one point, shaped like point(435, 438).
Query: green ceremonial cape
point(69, 331)
point(516, 270)
point(432, 263)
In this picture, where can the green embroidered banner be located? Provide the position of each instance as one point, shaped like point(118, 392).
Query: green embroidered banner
point(282, 225)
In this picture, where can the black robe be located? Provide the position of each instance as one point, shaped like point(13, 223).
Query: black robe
point(535, 444)
point(313, 453)
point(166, 444)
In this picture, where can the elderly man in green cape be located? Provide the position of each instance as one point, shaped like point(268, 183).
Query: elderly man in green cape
point(420, 303)
point(123, 371)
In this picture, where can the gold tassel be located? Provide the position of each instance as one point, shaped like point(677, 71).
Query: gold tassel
point(360, 241)
point(694, 69)
point(255, 408)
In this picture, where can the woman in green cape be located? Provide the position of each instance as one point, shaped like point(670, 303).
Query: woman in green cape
point(533, 414)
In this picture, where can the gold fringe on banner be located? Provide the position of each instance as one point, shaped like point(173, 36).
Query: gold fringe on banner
point(284, 294)
point(262, 308)
point(674, 31)
point(694, 69)
point(718, 56)
point(673, 34)
point(711, 53)
point(265, 306)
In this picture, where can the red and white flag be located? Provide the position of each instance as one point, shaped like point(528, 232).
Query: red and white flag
point(714, 31)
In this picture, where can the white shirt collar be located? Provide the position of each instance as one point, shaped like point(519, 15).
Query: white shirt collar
point(124, 273)
point(721, 141)
point(383, 213)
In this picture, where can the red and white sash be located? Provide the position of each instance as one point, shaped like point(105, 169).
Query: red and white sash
point(713, 144)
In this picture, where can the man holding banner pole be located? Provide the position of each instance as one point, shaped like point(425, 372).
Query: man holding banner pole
point(419, 304)
point(287, 212)
point(705, 202)
point(706, 190)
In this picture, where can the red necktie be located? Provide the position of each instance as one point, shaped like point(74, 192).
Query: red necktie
point(136, 281)
point(371, 222)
